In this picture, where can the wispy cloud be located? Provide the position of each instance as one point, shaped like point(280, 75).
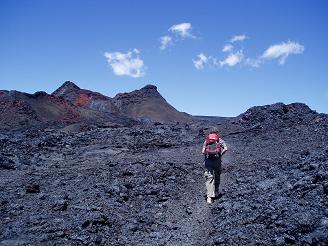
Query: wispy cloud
point(227, 48)
point(183, 30)
point(238, 38)
point(165, 42)
point(233, 59)
point(128, 64)
point(279, 51)
point(282, 51)
point(253, 62)
point(200, 61)
point(177, 32)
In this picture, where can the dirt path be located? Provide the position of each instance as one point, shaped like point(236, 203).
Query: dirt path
point(193, 217)
point(194, 224)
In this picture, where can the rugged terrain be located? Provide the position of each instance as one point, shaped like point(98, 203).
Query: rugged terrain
point(143, 184)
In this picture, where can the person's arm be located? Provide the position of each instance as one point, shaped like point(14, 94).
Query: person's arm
point(204, 146)
point(224, 147)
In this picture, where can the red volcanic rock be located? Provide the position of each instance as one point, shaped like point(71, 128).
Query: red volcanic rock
point(85, 98)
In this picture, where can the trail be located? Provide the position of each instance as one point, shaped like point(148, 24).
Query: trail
point(194, 224)
point(193, 217)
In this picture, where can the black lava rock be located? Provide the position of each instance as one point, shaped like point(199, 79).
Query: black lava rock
point(32, 188)
point(144, 184)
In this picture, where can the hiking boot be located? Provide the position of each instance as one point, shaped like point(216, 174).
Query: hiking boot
point(209, 200)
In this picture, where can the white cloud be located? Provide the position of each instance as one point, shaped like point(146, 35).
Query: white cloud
point(165, 42)
point(253, 62)
point(282, 51)
point(279, 51)
point(227, 48)
point(238, 38)
point(200, 61)
point(233, 59)
point(183, 30)
point(126, 63)
point(177, 32)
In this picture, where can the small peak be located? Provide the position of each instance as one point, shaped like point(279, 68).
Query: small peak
point(70, 85)
point(40, 94)
point(299, 107)
point(149, 87)
point(67, 87)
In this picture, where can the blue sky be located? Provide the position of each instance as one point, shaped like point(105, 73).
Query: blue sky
point(275, 51)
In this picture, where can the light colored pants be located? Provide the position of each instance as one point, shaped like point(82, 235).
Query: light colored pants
point(212, 176)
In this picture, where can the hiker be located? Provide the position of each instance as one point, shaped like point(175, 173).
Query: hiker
point(213, 149)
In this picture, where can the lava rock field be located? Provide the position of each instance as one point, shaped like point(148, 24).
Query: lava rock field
point(144, 184)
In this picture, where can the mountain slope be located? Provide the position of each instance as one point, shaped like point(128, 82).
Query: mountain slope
point(148, 103)
point(71, 104)
point(19, 108)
